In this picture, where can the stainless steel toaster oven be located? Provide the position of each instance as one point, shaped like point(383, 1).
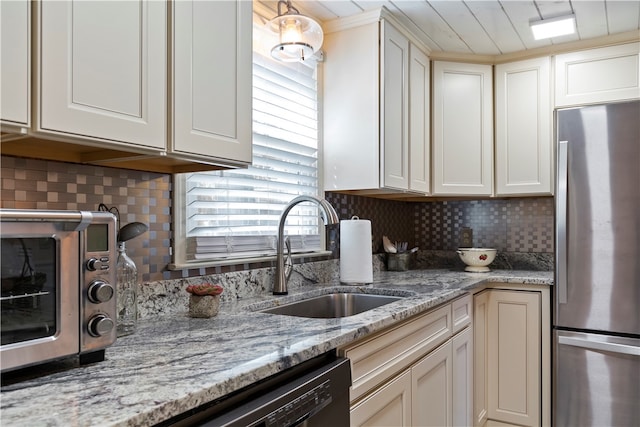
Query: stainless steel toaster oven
point(58, 273)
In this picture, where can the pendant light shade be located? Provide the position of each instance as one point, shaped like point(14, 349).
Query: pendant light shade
point(297, 37)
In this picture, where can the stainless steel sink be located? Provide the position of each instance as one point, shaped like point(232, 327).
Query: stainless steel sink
point(330, 306)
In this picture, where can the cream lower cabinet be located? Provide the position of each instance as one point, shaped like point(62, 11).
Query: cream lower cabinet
point(390, 405)
point(462, 378)
point(442, 384)
point(511, 375)
point(480, 358)
point(418, 373)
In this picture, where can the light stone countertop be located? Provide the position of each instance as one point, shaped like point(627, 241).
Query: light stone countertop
point(176, 363)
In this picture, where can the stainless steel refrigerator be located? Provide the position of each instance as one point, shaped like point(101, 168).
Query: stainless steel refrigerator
point(596, 348)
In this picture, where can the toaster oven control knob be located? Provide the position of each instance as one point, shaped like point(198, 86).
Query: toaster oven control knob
point(100, 325)
point(93, 264)
point(100, 291)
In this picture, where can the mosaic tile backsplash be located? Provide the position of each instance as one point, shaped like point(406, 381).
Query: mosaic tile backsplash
point(138, 196)
point(510, 225)
point(521, 228)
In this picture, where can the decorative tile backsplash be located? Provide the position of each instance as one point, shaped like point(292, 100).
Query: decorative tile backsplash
point(139, 196)
point(388, 218)
point(519, 225)
point(511, 225)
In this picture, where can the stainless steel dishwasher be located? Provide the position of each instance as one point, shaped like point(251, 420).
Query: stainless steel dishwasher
point(313, 393)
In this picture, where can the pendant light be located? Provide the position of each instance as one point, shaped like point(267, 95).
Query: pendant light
point(297, 36)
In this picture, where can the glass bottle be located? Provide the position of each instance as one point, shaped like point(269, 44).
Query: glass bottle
point(127, 290)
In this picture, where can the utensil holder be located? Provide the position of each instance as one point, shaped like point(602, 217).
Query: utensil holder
point(399, 262)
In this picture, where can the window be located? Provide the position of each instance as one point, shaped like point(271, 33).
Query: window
point(228, 215)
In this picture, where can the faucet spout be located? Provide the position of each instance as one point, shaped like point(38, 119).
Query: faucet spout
point(329, 216)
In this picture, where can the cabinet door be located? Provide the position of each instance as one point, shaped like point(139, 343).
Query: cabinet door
point(394, 108)
point(212, 79)
point(419, 119)
point(15, 78)
point(351, 109)
point(102, 70)
point(514, 357)
point(480, 357)
point(431, 388)
point(462, 129)
point(523, 128)
point(387, 406)
point(462, 378)
point(598, 75)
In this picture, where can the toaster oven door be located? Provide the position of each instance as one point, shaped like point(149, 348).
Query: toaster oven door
point(39, 293)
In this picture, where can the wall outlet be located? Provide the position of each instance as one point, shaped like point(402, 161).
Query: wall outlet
point(466, 237)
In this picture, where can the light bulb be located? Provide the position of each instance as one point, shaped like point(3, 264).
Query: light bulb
point(290, 31)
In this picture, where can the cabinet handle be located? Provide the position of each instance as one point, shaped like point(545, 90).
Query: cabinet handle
point(561, 222)
point(599, 345)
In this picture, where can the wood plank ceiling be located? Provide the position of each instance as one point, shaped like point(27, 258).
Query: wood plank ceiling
point(487, 27)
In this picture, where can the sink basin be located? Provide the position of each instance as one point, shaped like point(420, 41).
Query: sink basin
point(333, 305)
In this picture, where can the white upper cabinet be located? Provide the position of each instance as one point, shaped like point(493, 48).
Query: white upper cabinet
point(376, 107)
point(523, 144)
point(395, 107)
point(118, 83)
point(15, 57)
point(598, 75)
point(212, 79)
point(419, 121)
point(462, 129)
point(102, 70)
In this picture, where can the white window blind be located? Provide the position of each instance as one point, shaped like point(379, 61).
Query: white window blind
point(235, 213)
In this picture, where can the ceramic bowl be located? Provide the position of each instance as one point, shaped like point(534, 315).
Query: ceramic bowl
point(477, 259)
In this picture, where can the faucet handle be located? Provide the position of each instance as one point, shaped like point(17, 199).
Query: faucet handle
point(288, 263)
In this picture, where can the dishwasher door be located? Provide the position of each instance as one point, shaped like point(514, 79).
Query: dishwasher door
point(314, 393)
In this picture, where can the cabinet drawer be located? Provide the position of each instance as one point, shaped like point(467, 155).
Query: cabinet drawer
point(461, 311)
point(378, 358)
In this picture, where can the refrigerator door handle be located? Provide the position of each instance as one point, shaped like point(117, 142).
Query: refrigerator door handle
point(599, 345)
point(561, 222)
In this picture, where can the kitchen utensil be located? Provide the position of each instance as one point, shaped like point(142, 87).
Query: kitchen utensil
point(388, 246)
point(131, 230)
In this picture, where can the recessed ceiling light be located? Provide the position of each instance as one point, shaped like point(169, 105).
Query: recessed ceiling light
point(554, 27)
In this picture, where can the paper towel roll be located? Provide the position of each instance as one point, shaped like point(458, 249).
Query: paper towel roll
point(356, 263)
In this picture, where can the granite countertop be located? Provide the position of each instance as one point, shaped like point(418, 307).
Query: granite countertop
point(175, 363)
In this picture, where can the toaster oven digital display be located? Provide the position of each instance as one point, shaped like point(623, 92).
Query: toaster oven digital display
point(98, 238)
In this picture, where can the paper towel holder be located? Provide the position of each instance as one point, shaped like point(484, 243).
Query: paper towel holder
point(354, 254)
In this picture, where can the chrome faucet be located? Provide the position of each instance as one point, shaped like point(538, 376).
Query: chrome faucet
point(329, 216)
